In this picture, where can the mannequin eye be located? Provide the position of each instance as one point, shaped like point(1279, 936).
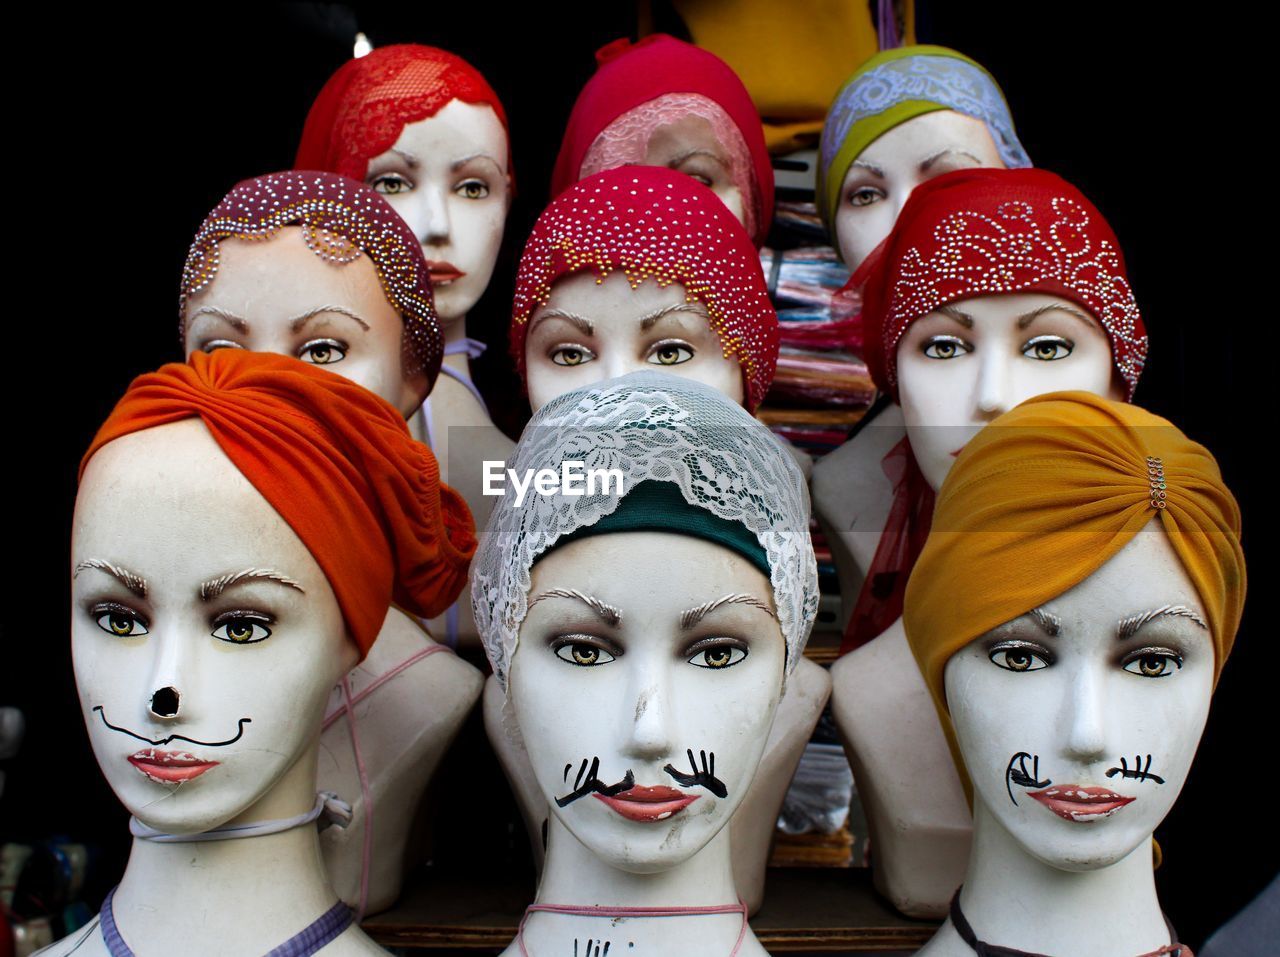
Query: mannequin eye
point(322, 352)
point(699, 177)
point(472, 189)
point(1153, 662)
point(219, 344)
point(118, 620)
point(582, 653)
point(1048, 348)
point(670, 353)
point(1020, 656)
point(242, 627)
point(718, 656)
point(390, 184)
point(945, 347)
point(865, 196)
point(571, 355)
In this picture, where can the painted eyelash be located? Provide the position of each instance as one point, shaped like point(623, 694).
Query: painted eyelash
point(103, 607)
point(1019, 644)
point(1153, 650)
point(261, 617)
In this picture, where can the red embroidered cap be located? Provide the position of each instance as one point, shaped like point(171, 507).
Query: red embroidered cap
point(982, 231)
point(653, 222)
point(360, 112)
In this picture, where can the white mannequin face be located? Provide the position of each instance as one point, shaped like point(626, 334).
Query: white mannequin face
point(590, 331)
point(611, 692)
point(963, 365)
point(1057, 730)
point(884, 174)
point(195, 706)
point(689, 145)
point(447, 177)
point(276, 295)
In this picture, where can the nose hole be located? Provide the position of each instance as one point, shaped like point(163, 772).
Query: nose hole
point(164, 703)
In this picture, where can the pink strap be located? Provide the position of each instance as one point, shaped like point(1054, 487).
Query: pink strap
point(347, 707)
point(578, 910)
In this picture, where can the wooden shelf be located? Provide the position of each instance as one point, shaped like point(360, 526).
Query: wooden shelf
point(806, 910)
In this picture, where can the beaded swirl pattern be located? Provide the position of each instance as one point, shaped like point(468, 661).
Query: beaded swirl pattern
point(654, 223)
point(341, 220)
point(1022, 245)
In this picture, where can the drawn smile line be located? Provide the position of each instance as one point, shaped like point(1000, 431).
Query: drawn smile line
point(173, 737)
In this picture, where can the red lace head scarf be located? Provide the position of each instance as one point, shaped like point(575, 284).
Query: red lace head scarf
point(341, 220)
point(630, 75)
point(647, 222)
point(335, 461)
point(361, 111)
point(974, 233)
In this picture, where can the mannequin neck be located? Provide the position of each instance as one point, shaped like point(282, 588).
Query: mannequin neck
point(1107, 911)
point(237, 896)
point(455, 330)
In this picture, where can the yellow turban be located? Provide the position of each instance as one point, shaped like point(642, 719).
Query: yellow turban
point(1042, 497)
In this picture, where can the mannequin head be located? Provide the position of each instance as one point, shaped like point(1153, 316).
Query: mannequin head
point(197, 698)
point(663, 102)
point(615, 680)
point(640, 686)
point(600, 295)
point(1111, 684)
point(1107, 583)
point(423, 128)
point(204, 671)
point(906, 116)
point(995, 286)
point(317, 267)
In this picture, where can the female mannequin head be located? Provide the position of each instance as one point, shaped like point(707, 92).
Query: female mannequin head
point(906, 116)
point(318, 267)
point(645, 699)
point(599, 294)
point(1102, 621)
point(422, 127)
point(995, 286)
point(664, 102)
point(203, 673)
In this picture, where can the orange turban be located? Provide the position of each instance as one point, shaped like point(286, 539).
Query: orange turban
point(338, 464)
point(1042, 497)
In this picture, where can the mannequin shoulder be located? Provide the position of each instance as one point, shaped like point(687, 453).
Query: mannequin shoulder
point(353, 942)
point(851, 478)
point(945, 943)
point(401, 637)
point(879, 670)
point(85, 942)
point(808, 687)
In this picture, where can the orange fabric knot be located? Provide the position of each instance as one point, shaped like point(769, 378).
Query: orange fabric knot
point(335, 461)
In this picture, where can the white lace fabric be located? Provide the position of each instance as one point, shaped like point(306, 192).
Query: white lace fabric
point(653, 427)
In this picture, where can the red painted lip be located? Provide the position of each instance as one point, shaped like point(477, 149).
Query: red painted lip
point(647, 804)
point(1075, 802)
point(443, 272)
point(169, 766)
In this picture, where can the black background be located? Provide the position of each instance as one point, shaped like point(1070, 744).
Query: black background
point(124, 129)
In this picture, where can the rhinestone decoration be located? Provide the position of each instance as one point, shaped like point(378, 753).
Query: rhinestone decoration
point(1155, 477)
point(654, 223)
point(341, 220)
point(1053, 244)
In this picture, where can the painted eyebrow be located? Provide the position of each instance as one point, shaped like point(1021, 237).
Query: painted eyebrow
point(130, 580)
point(1128, 627)
point(928, 161)
point(297, 322)
point(691, 616)
point(611, 615)
point(216, 586)
point(869, 167)
point(1027, 318)
point(959, 315)
point(584, 324)
point(238, 323)
point(1049, 623)
point(410, 158)
point(648, 319)
point(463, 161)
point(698, 151)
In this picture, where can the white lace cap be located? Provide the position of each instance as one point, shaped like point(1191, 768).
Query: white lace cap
point(653, 427)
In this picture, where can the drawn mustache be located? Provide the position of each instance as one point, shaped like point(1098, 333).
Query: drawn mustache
point(1139, 771)
point(174, 737)
point(705, 778)
point(592, 784)
point(1017, 773)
